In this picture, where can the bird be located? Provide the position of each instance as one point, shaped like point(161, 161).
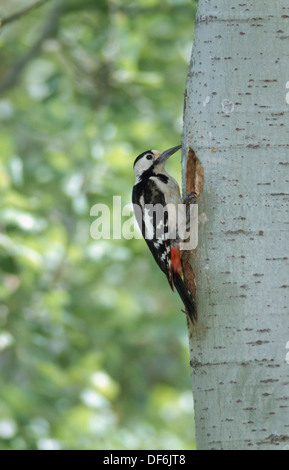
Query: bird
point(156, 198)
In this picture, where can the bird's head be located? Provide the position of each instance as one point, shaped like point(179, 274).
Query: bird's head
point(152, 159)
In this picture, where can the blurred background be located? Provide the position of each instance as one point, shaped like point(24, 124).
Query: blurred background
point(93, 347)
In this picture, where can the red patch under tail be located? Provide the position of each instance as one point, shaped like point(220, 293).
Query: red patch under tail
point(176, 265)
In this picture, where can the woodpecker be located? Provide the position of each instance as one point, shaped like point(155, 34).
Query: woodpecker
point(155, 188)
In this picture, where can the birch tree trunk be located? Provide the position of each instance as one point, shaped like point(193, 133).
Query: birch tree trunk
point(236, 120)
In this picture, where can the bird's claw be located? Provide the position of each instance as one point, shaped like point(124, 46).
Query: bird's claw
point(190, 198)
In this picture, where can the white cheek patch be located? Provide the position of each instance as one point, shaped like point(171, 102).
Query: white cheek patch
point(142, 165)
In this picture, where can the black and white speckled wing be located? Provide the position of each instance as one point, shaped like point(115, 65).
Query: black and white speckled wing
point(154, 228)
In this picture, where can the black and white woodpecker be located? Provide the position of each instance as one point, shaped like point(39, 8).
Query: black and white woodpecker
point(155, 188)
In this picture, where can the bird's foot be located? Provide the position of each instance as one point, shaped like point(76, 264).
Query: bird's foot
point(190, 198)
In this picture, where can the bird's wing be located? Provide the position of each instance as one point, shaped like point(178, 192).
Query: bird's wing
point(153, 224)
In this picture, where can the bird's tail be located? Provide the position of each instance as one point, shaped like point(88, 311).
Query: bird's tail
point(186, 297)
point(184, 293)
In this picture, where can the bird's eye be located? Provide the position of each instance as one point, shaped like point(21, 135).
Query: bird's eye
point(149, 157)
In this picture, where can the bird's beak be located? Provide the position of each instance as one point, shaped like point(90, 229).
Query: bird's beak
point(167, 153)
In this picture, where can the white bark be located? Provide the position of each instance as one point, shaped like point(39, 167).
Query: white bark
point(236, 119)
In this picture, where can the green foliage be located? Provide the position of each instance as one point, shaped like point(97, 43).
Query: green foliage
point(93, 349)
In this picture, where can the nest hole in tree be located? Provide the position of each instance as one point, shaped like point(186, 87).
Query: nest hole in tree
point(194, 184)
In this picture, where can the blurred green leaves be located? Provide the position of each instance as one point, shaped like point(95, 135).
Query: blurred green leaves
point(93, 348)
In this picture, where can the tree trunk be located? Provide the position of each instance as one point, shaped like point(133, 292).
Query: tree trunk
point(236, 120)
